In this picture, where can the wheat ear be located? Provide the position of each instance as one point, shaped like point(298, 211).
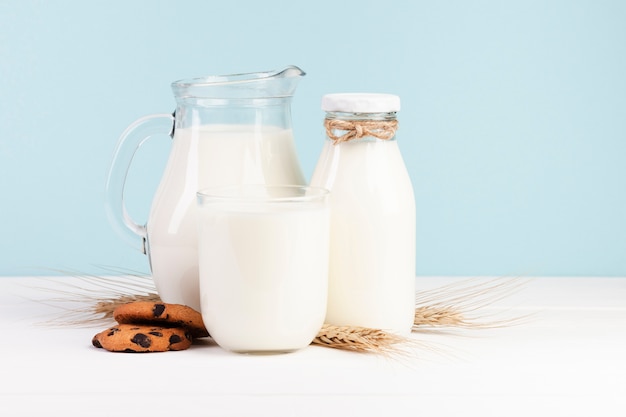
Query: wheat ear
point(457, 305)
point(464, 304)
point(358, 339)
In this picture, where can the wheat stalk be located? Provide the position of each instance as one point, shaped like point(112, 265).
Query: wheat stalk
point(464, 304)
point(434, 316)
point(457, 305)
point(93, 303)
point(358, 339)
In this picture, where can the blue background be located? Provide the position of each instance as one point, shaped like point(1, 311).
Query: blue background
point(513, 121)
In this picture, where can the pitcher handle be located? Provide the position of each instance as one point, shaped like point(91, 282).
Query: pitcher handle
point(129, 142)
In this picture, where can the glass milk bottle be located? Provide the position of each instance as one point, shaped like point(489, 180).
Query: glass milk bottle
point(372, 235)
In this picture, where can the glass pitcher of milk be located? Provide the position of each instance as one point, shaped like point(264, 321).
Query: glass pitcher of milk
point(226, 130)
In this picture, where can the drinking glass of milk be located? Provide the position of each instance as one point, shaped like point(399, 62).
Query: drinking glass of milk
point(263, 256)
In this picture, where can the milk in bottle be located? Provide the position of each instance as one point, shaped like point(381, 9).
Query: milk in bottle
point(372, 237)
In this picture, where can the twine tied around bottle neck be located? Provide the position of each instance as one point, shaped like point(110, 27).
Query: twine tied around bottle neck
point(357, 129)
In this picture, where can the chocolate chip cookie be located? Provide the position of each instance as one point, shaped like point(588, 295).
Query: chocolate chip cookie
point(142, 338)
point(161, 314)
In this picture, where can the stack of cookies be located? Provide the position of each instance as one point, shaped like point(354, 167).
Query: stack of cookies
point(145, 326)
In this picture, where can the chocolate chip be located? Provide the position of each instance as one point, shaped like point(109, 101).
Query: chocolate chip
point(175, 339)
point(113, 330)
point(141, 340)
point(96, 343)
point(158, 334)
point(158, 309)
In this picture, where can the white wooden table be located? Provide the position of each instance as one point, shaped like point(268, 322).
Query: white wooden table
point(569, 359)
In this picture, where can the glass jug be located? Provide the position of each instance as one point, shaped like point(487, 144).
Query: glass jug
point(226, 130)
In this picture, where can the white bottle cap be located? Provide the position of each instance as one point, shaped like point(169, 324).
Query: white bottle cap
point(361, 103)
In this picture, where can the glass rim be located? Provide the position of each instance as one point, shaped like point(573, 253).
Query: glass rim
point(244, 77)
point(276, 83)
point(236, 193)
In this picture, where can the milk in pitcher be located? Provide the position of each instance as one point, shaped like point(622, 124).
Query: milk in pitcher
point(226, 155)
point(226, 129)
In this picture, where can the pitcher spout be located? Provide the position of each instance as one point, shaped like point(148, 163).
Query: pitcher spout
point(264, 84)
point(290, 72)
point(287, 81)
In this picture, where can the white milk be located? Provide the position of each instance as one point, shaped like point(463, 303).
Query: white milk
point(226, 155)
point(372, 261)
point(263, 277)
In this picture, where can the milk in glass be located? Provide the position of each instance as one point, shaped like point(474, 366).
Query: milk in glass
point(263, 272)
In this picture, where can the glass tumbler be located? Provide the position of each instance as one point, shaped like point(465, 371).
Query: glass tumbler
point(263, 265)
